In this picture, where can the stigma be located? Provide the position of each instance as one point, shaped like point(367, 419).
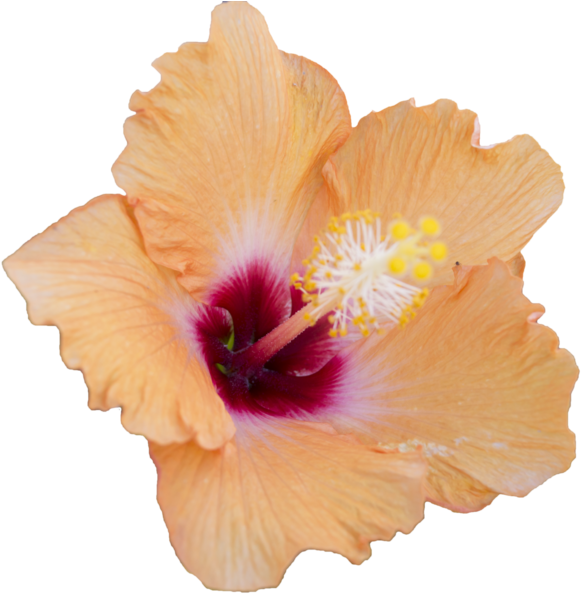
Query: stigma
point(359, 275)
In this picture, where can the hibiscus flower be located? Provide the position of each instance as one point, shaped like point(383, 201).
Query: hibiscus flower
point(276, 428)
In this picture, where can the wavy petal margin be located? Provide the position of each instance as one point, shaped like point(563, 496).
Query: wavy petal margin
point(224, 155)
point(120, 321)
point(474, 380)
point(426, 161)
point(238, 517)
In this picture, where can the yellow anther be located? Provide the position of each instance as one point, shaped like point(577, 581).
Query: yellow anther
point(400, 230)
point(438, 250)
point(420, 298)
point(422, 271)
point(430, 226)
point(364, 273)
point(397, 265)
point(307, 316)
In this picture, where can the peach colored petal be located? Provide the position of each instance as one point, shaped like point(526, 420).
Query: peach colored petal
point(475, 381)
point(88, 274)
point(237, 517)
point(423, 161)
point(517, 265)
point(321, 211)
point(449, 487)
point(224, 156)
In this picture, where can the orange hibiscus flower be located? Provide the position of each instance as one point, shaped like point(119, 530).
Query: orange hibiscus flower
point(273, 428)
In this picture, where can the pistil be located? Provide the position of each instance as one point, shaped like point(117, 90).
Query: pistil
point(356, 274)
point(247, 362)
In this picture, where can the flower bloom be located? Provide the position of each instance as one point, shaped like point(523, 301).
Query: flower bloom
point(275, 428)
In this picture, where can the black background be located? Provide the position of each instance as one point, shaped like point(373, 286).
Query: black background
point(82, 490)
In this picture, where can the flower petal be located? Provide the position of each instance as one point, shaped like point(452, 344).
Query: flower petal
point(477, 382)
point(425, 161)
point(224, 155)
point(237, 517)
point(517, 265)
point(449, 487)
point(89, 275)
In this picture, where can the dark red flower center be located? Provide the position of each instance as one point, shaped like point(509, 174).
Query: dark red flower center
point(300, 380)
